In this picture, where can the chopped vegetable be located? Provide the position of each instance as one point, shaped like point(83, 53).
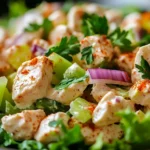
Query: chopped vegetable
point(144, 68)
point(37, 49)
point(10, 80)
point(50, 106)
point(66, 48)
point(3, 83)
point(94, 24)
point(81, 109)
point(117, 75)
point(46, 26)
point(67, 82)
point(58, 70)
point(68, 138)
point(119, 38)
point(87, 54)
point(31, 145)
point(67, 6)
point(74, 71)
point(19, 54)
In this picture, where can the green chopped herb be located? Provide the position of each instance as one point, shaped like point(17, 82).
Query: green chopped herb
point(50, 106)
point(87, 54)
point(93, 24)
point(68, 137)
point(67, 6)
point(46, 26)
point(119, 38)
point(145, 40)
point(144, 68)
point(67, 82)
point(66, 48)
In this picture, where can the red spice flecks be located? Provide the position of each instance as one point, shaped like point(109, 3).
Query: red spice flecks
point(25, 72)
point(91, 108)
point(142, 85)
point(33, 61)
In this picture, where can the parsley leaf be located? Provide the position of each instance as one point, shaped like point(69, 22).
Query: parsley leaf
point(46, 25)
point(66, 48)
point(6, 138)
point(67, 82)
point(32, 27)
point(31, 145)
point(144, 68)
point(119, 38)
point(145, 40)
point(50, 106)
point(94, 24)
point(87, 54)
point(136, 130)
point(65, 141)
point(67, 6)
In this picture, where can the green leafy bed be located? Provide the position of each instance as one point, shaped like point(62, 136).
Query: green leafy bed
point(136, 137)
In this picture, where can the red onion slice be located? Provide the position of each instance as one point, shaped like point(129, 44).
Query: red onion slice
point(37, 50)
point(108, 76)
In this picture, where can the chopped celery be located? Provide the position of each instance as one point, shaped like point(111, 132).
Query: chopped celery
point(10, 80)
point(74, 71)
point(81, 109)
point(19, 54)
point(140, 115)
point(3, 83)
point(7, 96)
point(60, 65)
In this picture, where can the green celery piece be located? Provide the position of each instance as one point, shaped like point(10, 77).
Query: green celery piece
point(19, 55)
point(3, 83)
point(11, 80)
point(6, 97)
point(60, 65)
point(74, 71)
point(79, 108)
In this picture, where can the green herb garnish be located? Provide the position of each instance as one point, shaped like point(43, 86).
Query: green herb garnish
point(94, 24)
point(69, 137)
point(145, 40)
point(46, 26)
point(66, 48)
point(119, 38)
point(66, 82)
point(144, 68)
point(87, 54)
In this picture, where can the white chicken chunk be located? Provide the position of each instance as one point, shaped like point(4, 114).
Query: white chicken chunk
point(47, 133)
point(143, 51)
point(90, 132)
point(99, 90)
point(23, 125)
point(67, 95)
point(140, 92)
point(126, 61)
point(32, 81)
point(102, 51)
point(110, 104)
point(58, 17)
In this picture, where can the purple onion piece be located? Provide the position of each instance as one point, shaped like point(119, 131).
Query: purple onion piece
point(37, 50)
point(116, 75)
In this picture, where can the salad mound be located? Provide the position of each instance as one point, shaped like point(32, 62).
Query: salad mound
point(75, 76)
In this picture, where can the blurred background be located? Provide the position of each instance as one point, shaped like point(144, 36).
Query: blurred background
point(143, 4)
